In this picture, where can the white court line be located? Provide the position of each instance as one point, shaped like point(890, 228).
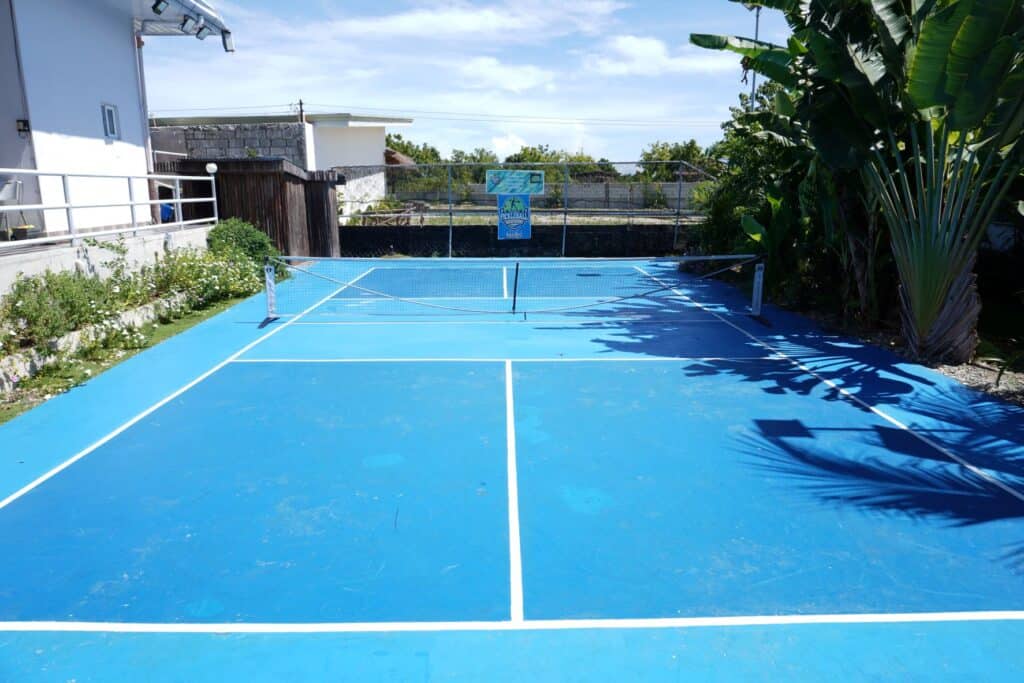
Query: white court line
point(504, 282)
point(515, 558)
point(853, 397)
point(612, 359)
point(170, 397)
point(525, 625)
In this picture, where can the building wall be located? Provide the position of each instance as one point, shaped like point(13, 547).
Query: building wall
point(15, 147)
point(352, 147)
point(347, 146)
point(71, 67)
point(237, 141)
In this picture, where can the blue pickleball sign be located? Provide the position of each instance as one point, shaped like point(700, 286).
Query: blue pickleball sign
point(514, 217)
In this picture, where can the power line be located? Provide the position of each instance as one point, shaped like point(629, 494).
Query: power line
point(467, 117)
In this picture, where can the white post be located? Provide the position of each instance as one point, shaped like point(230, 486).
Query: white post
point(270, 286)
point(450, 214)
point(131, 201)
point(68, 210)
point(756, 300)
point(177, 202)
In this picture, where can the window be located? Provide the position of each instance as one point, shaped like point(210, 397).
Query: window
point(111, 124)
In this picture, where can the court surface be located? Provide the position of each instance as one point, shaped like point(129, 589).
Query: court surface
point(430, 488)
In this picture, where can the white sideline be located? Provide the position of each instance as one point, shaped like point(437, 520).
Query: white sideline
point(560, 359)
point(526, 625)
point(170, 397)
point(515, 557)
point(995, 481)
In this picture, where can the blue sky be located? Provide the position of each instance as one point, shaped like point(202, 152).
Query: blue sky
point(473, 74)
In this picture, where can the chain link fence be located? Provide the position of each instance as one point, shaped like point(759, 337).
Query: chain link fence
point(445, 209)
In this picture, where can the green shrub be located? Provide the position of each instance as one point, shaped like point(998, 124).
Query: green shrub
point(236, 235)
point(41, 308)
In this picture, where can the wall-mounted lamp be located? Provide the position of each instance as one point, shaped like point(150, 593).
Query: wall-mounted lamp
point(203, 32)
point(159, 6)
point(189, 24)
point(227, 41)
point(211, 168)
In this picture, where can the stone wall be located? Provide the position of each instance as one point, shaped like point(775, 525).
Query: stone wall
point(361, 190)
point(235, 141)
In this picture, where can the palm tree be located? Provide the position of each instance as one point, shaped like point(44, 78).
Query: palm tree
point(924, 99)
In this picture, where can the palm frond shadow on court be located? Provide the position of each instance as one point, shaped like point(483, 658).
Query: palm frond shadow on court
point(921, 488)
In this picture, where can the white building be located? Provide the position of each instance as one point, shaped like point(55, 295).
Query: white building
point(354, 145)
point(74, 99)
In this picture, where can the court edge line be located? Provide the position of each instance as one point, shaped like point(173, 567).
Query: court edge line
point(515, 558)
point(159, 404)
point(625, 359)
point(984, 474)
point(526, 625)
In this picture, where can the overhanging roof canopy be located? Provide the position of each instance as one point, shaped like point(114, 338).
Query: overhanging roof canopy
point(181, 18)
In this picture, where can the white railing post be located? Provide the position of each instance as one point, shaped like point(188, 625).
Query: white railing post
point(178, 218)
point(68, 211)
point(213, 194)
point(131, 200)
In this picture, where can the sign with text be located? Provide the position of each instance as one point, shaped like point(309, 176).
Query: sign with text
point(506, 181)
point(514, 217)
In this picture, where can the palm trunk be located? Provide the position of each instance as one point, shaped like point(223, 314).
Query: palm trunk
point(953, 337)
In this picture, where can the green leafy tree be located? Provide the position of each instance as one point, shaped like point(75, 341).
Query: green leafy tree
point(423, 153)
point(925, 101)
point(698, 165)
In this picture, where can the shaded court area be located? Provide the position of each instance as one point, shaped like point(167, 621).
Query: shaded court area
point(629, 477)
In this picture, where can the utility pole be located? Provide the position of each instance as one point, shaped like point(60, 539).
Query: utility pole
point(756, 9)
point(302, 112)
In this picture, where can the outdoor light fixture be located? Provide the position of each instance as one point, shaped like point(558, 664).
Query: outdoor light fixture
point(159, 6)
point(227, 41)
point(203, 32)
point(211, 168)
point(189, 24)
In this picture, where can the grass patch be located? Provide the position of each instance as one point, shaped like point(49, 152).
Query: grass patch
point(68, 373)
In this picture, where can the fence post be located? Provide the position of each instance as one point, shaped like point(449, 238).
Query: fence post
point(68, 210)
point(679, 204)
point(565, 206)
point(448, 168)
point(131, 201)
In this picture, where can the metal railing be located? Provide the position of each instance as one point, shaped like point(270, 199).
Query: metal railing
point(69, 207)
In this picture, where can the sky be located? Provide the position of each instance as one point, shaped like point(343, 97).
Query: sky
point(606, 77)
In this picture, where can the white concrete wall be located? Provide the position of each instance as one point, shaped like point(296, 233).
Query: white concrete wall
point(361, 190)
point(144, 249)
point(77, 56)
point(345, 146)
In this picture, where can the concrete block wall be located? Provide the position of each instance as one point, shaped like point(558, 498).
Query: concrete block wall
point(236, 141)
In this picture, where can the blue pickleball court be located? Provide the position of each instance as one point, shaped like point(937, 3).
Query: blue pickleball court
point(398, 478)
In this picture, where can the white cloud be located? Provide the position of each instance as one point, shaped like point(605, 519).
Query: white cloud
point(490, 73)
point(640, 56)
point(507, 144)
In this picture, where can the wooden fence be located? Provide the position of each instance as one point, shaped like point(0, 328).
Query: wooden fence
point(298, 209)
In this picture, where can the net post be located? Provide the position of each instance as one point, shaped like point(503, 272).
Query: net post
point(270, 286)
point(515, 288)
point(758, 295)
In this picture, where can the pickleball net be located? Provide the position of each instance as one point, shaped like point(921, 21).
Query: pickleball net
point(336, 289)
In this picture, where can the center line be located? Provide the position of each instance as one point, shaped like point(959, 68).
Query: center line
point(515, 558)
